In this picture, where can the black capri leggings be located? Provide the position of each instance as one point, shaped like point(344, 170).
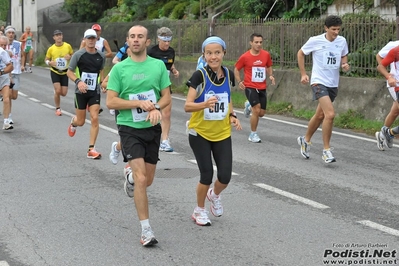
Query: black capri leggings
point(222, 154)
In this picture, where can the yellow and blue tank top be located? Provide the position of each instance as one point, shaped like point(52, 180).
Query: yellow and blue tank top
point(213, 125)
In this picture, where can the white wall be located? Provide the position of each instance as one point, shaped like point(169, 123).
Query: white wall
point(29, 17)
point(387, 12)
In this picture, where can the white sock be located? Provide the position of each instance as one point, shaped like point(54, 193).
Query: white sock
point(213, 194)
point(5, 120)
point(145, 224)
point(198, 209)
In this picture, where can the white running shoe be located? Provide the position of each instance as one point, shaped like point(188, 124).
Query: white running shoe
point(114, 154)
point(200, 217)
point(7, 126)
point(387, 137)
point(247, 109)
point(147, 237)
point(328, 156)
point(129, 187)
point(187, 130)
point(305, 147)
point(165, 146)
point(254, 138)
point(216, 204)
point(380, 141)
point(112, 111)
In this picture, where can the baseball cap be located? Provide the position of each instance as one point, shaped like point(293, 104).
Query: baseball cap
point(57, 32)
point(96, 27)
point(90, 33)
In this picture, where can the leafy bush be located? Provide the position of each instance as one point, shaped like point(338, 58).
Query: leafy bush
point(86, 11)
point(195, 8)
point(179, 11)
point(152, 12)
point(168, 8)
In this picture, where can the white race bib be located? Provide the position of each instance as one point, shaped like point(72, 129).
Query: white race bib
point(331, 60)
point(139, 114)
point(61, 63)
point(258, 74)
point(221, 108)
point(90, 79)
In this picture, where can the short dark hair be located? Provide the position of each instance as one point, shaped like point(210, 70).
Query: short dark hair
point(253, 35)
point(332, 21)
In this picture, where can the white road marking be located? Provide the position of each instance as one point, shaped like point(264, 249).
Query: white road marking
point(4, 263)
point(34, 100)
point(292, 196)
point(214, 166)
point(380, 227)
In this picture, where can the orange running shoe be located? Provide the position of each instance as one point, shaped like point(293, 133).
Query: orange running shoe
point(93, 154)
point(71, 129)
point(58, 112)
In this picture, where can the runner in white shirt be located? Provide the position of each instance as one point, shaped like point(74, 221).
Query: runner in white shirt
point(329, 54)
point(394, 112)
point(5, 69)
point(17, 57)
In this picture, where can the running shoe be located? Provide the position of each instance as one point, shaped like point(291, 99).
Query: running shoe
point(10, 121)
point(254, 138)
point(71, 129)
point(58, 112)
point(114, 154)
point(247, 109)
point(129, 187)
point(216, 203)
point(93, 154)
point(387, 137)
point(380, 141)
point(200, 217)
point(147, 237)
point(7, 126)
point(165, 146)
point(30, 70)
point(112, 111)
point(305, 147)
point(328, 156)
point(187, 129)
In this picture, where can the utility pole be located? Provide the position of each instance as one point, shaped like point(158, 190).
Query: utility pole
point(22, 15)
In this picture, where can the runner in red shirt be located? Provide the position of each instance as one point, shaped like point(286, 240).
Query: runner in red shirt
point(256, 63)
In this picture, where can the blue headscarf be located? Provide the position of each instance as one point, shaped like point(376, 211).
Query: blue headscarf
point(213, 39)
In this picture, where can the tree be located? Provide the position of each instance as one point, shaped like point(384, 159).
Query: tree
point(87, 10)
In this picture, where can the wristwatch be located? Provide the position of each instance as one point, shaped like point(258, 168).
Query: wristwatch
point(157, 107)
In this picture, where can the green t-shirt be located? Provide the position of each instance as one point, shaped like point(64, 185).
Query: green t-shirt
point(138, 81)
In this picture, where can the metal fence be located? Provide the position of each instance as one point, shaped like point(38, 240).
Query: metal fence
point(282, 38)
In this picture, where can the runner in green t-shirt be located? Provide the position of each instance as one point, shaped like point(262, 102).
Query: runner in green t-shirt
point(139, 88)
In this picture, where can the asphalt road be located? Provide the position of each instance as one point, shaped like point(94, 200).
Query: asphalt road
point(59, 208)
